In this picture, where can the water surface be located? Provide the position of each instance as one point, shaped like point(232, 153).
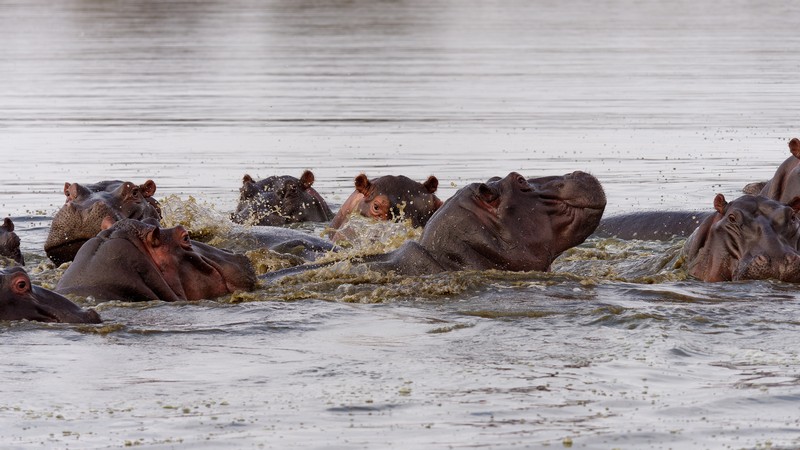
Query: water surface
point(667, 104)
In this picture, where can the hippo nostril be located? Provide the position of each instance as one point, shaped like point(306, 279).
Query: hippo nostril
point(792, 259)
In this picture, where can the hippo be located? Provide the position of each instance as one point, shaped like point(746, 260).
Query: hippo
point(21, 300)
point(87, 206)
point(512, 224)
point(784, 186)
point(9, 242)
point(136, 260)
point(280, 200)
point(750, 238)
point(390, 198)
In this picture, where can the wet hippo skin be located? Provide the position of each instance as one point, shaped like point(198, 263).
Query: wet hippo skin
point(505, 224)
point(280, 200)
point(87, 206)
point(390, 198)
point(750, 238)
point(133, 261)
point(21, 300)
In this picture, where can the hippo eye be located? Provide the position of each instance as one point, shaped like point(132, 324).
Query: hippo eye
point(21, 285)
point(375, 207)
point(731, 218)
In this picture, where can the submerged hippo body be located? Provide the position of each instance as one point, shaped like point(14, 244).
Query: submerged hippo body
point(89, 205)
point(9, 242)
point(651, 225)
point(280, 200)
point(21, 300)
point(507, 224)
point(750, 238)
point(134, 261)
point(390, 198)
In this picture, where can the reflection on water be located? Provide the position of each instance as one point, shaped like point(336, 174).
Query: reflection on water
point(667, 104)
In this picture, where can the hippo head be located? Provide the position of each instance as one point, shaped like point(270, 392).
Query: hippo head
point(750, 238)
point(21, 300)
point(88, 206)
point(514, 224)
point(9, 242)
point(280, 200)
point(135, 260)
point(391, 198)
point(785, 184)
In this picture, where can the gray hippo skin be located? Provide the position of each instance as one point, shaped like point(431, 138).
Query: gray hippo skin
point(651, 225)
point(89, 205)
point(134, 261)
point(21, 300)
point(784, 186)
point(750, 238)
point(390, 198)
point(9, 242)
point(280, 200)
point(507, 224)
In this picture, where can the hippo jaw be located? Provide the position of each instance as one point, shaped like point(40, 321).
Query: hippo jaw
point(71, 227)
point(576, 203)
point(61, 310)
point(761, 267)
point(221, 272)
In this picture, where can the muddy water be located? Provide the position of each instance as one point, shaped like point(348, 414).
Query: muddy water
point(667, 104)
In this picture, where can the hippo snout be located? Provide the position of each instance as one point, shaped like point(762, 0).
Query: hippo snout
point(781, 267)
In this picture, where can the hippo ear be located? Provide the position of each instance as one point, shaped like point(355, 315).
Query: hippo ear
point(8, 225)
point(154, 237)
point(794, 147)
point(75, 190)
point(307, 179)
point(247, 179)
point(488, 194)
point(148, 189)
point(362, 184)
point(431, 184)
point(794, 204)
point(720, 203)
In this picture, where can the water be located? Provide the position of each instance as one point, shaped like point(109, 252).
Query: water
point(666, 103)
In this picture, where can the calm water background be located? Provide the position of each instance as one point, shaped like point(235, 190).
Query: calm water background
point(667, 103)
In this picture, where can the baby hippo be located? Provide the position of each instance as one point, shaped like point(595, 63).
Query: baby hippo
point(135, 261)
point(280, 200)
point(21, 300)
